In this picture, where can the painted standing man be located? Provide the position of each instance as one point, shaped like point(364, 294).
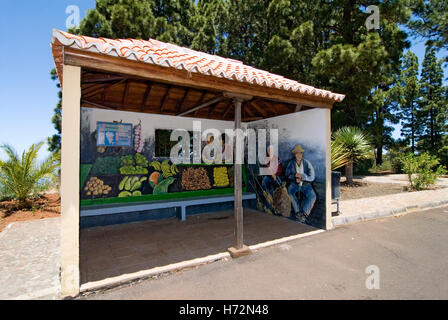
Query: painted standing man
point(300, 173)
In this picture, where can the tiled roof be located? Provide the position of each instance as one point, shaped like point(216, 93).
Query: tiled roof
point(172, 56)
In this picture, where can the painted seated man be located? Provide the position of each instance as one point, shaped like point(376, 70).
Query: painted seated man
point(300, 174)
point(274, 168)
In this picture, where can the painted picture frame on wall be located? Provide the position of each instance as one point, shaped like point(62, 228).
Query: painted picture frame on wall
point(114, 134)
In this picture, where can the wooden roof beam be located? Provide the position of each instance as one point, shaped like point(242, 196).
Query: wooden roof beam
point(145, 96)
point(171, 76)
point(162, 104)
point(181, 104)
point(259, 108)
point(202, 105)
point(125, 93)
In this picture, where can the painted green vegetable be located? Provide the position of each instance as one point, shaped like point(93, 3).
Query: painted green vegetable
point(162, 186)
point(136, 186)
point(134, 180)
point(106, 165)
point(136, 193)
point(124, 194)
point(127, 185)
point(123, 182)
point(156, 165)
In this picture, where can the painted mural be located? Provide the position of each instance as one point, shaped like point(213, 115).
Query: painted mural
point(295, 184)
point(114, 174)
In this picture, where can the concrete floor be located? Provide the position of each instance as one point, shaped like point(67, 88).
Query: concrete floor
point(410, 252)
point(122, 249)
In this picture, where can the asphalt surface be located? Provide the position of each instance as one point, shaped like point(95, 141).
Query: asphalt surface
point(410, 251)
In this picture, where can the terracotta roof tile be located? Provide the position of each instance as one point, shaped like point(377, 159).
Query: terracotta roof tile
point(169, 55)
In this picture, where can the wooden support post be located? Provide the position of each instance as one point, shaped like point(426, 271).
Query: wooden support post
point(239, 248)
point(70, 156)
point(237, 178)
point(328, 222)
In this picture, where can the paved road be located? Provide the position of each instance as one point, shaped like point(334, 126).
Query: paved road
point(410, 251)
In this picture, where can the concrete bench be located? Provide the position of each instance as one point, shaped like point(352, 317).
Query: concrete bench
point(96, 210)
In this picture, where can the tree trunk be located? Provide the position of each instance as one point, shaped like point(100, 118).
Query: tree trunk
point(412, 129)
point(379, 155)
point(349, 172)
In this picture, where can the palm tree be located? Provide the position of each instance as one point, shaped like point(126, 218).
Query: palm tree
point(22, 177)
point(357, 146)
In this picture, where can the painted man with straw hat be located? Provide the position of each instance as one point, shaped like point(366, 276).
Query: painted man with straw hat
point(300, 174)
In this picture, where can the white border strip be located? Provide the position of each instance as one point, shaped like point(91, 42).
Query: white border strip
point(115, 281)
point(151, 272)
point(284, 239)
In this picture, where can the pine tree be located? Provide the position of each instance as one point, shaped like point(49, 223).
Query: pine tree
point(54, 142)
point(430, 21)
point(408, 94)
point(165, 20)
point(208, 21)
point(432, 114)
point(321, 43)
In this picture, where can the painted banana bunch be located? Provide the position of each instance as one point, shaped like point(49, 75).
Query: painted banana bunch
point(162, 178)
point(165, 167)
point(129, 186)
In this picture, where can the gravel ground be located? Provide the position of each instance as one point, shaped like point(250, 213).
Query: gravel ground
point(366, 190)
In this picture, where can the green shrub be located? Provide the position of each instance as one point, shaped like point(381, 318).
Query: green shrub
point(422, 170)
point(385, 166)
point(363, 167)
point(443, 155)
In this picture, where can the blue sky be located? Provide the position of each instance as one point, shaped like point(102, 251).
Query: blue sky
point(28, 95)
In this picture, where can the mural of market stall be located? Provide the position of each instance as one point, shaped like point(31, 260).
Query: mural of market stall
point(123, 99)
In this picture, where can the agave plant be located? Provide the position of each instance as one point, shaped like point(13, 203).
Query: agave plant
point(339, 156)
point(22, 176)
point(356, 144)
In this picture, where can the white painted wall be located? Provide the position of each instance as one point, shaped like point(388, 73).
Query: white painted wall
point(308, 125)
point(150, 122)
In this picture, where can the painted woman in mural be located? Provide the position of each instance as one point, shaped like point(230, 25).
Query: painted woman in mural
point(300, 173)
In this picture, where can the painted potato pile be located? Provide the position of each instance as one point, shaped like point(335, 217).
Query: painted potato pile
point(96, 187)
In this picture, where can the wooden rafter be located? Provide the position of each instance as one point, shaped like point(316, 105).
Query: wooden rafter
point(202, 105)
point(181, 103)
point(260, 109)
point(248, 110)
point(212, 107)
point(145, 96)
point(96, 87)
point(102, 79)
point(230, 107)
point(102, 90)
point(162, 104)
point(201, 99)
point(125, 92)
point(98, 105)
point(248, 119)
